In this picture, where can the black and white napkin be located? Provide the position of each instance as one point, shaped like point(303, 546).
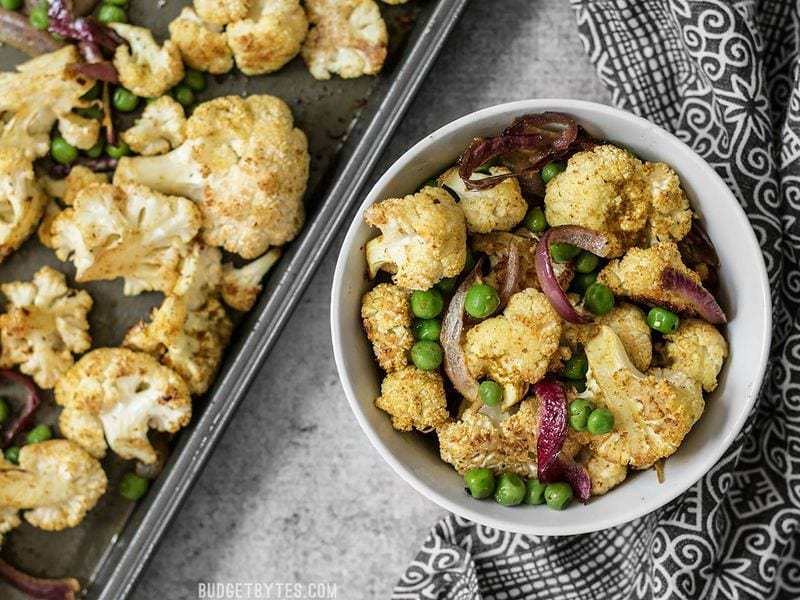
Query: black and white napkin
point(724, 76)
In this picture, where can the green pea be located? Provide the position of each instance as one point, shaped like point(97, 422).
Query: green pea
point(40, 433)
point(96, 150)
point(447, 285)
point(535, 220)
point(427, 304)
point(552, 169)
point(125, 100)
point(562, 253)
point(183, 94)
point(5, 412)
point(599, 299)
point(600, 421)
point(90, 112)
point(118, 151)
point(11, 4)
point(93, 93)
point(479, 482)
point(12, 454)
point(490, 392)
point(426, 355)
point(38, 17)
point(510, 490)
point(576, 366)
point(534, 492)
point(62, 151)
point(663, 320)
point(558, 495)
point(579, 411)
point(481, 301)
point(581, 282)
point(586, 263)
point(427, 329)
point(133, 487)
point(195, 80)
point(109, 13)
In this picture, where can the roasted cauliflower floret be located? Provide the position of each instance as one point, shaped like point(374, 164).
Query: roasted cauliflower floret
point(126, 231)
point(499, 208)
point(222, 12)
point(652, 411)
point(56, 483)
point(246, 166)
point(638, 276)
point(609, 190)
point(269, 37)
point(386, 314)
point(241, 287)
point(144, 67)
point(161, 127)
point(9, 517)
point(603, 474)
point(414, 398)
point(348, 38)
point(79, 131)
point(113, 396)
point(203, 46)
point(201, 275)
point(22, 201)
point(43, 326)
point(697, 349)
point(67, 189)
point(44, 232)
point(515, 348)
point(423, 238)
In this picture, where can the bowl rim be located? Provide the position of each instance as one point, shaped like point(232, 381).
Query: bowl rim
point(647, 505)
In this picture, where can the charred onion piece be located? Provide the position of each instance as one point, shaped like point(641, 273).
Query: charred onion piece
point(99, 71)
point(510, 281)
point(42, 589)
point(64, 22)
point(696, 295)
point(108, 117)
point(32, 401)
point(697, 248)
point(17, 32)
point(583, 238)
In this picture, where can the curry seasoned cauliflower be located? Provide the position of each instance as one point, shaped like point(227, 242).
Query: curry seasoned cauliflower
point(67, 189)
point(697, 349)
point(126, 231)
point(241, 287)
point(246, 166)
point(499, 208)
point(22, 200)
point(113, 396)
point(515, 348)
point(414, 398)
point(609, 190)
point(203, 46)
point(161, 127)
point(43, 326)
point(56, 483)
point(201, 275)
point(44, 233)
point(348, 38)
point(638, 276)
point(144, 67)
point(222, 12)
point(423, 238)
point(268, 37)
point(603, 474)
point(652, 411)
point(386, 314)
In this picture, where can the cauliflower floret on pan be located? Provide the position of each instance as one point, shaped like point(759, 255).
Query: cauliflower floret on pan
point(603, 474)
point(652, 411)
point(78, 131)
point(203, 46)
point(609, 190)
point(386, 314)
point(638, 274)
point(126, 231)
point(348, 38)
point(269, 37)
point(222, 12)
point(56, 483)
point(144, 67)
point(423, 238)
point(697, 349)
point(499, 208)
point(240, 287)
point(43, 326)
point(112, 397)
point(201, 275)
point(44, 232)
point(246, 166)
point(161, 128)
point(22, 201)
point(67, 189)
point(415, 399)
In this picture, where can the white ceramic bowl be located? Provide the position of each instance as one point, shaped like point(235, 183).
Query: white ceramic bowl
point(745, 297)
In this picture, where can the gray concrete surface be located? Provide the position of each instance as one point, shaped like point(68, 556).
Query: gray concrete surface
point(295, 492)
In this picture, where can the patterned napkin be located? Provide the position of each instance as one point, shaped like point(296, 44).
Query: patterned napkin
point(724, 76)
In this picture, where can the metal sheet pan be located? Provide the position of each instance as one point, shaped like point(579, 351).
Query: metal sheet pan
point(348, 124)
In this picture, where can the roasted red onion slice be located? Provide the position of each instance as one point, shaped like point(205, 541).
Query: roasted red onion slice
point(510, 281)
point(696, 295)
point(455, 363)
point(17, 32)
point(42, 589)
point(575, 475)
point(583, 238)
point(81, 29)
point(32, 401)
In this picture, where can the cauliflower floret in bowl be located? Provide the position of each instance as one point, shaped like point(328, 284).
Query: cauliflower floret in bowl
point(697, 349)
point(414, 398)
